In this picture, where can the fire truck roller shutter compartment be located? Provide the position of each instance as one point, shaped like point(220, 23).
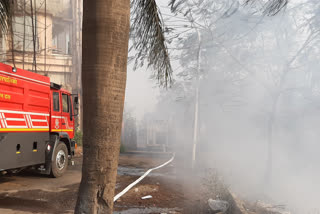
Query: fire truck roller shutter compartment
point(24, 117)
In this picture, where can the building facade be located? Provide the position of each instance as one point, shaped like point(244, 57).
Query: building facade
point(46, 38)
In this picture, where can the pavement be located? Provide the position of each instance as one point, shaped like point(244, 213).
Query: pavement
point(33, 181)
point(29, 192)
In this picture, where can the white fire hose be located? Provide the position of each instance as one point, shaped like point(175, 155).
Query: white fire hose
point(140, 179)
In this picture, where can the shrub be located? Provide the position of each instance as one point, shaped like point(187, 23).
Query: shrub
point(122, 148)
point(78, 137)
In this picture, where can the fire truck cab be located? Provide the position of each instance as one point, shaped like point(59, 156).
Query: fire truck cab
point(36, 122)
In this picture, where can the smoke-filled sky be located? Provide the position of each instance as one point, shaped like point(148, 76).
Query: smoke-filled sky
point(259, 96)
point(141, 92)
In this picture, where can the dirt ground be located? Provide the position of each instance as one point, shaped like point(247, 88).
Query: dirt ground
point(28, 192)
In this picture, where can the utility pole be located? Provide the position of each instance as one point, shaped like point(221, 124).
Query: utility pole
point(196, 107)
point(24, 32)
point(35, 35)
point(45, 37)
point(33, 39)
point(12, 35)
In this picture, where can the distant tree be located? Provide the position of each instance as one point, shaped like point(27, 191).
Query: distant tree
point(269, 7)
point(194, 41)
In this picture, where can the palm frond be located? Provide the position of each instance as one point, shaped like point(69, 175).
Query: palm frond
point(149, 39)
point(5, 14)
point(176, 5)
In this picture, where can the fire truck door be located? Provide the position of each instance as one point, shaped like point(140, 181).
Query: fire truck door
point(56, 112)
point(67, 119)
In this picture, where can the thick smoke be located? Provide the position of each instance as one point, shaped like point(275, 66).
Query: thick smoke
point(259, 100)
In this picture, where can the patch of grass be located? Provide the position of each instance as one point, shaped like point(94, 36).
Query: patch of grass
point(122, 148)
point(78, 137)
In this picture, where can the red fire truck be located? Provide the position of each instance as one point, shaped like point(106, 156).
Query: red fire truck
point(36, 122)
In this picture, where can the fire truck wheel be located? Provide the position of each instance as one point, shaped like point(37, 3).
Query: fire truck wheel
point(60, 160)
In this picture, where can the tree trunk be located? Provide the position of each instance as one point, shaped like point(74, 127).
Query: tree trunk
point(104, 65)
point(270, 127)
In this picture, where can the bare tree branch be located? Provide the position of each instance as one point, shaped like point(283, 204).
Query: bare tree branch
point(271, 7)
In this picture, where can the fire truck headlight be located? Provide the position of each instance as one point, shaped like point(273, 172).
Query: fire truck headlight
point(14, 69)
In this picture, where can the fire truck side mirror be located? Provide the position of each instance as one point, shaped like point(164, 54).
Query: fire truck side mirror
point(76, 100)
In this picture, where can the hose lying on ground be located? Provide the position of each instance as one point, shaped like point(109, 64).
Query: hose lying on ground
point(140, 179)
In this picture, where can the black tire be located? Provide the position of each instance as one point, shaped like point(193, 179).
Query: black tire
point(60, 160)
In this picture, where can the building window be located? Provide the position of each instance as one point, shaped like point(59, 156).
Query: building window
point(61, 37)
point(18, 33)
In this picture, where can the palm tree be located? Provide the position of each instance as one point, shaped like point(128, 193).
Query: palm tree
point(5, 14)
point(106, 27)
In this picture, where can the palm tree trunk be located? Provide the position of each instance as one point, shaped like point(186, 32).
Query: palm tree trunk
point(104, 65)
